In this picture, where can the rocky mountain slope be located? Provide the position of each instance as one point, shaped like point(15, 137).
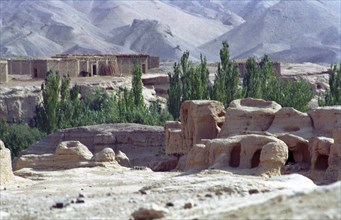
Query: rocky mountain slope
point(294, 31)
point(44, 28)
point(298, 31)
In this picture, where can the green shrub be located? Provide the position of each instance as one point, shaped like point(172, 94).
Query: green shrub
point(18, 137)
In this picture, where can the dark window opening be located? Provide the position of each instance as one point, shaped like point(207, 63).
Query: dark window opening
point(235, 156)
point(255, 159)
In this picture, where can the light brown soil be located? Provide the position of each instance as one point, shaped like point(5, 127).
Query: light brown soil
point(115, 193)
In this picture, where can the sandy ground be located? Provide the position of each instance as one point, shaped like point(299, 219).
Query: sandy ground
point(115, 193)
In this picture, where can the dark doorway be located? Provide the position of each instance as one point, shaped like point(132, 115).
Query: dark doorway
point(255, 159)
point(94, 69)
point(144, 68)
point(321, 162)
point(291, 159)
point(35, 73)
point(235, 156)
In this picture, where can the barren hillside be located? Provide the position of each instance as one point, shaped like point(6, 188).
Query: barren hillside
point(288, 31)
point(294, 31)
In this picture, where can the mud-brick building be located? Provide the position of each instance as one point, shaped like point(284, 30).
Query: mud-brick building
point(75, 65)
point(126, 63)
point(91, 65)
point(3, 71)
point(20, 67)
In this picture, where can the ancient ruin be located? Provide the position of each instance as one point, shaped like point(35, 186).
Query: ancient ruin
point(257, 135)
point(221, 164)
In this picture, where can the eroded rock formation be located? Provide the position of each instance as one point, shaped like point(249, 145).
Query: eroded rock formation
point(174, 138)
point(258, 134)
point(19, 103)
point(105, 155)
point(6, 173)
point(333, 172)
point(241, 151)
point(248, 115)
point(325, 119)
point(289, 120)
point(138, 144)
point(200, 119)
point(72, 151)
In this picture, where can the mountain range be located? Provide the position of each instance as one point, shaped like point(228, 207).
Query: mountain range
point(293, 31)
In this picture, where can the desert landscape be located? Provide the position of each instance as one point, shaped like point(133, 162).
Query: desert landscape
point(62, 176)
point(170, 109)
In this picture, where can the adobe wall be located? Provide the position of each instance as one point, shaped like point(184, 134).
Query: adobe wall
point(126, 64)
point(39, 68)
point(3, 72)
point(153, 62)
point(83, 65)
point(64, 67)
point(20, 67)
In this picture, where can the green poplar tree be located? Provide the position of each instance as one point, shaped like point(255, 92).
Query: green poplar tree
point(174, 92)
point(226, 83)
point(137, 86)
point(47, 111)
point(252, 80)
point(204, 79)
point(333, 97)
point(270, 83)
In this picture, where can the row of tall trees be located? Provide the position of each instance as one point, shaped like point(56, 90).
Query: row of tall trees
point(189, 81)
point(63, 107)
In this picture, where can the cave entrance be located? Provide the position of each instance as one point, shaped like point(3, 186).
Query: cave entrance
point(321, 162)
point(291, 159)
point(255, 159)
point(235, 156)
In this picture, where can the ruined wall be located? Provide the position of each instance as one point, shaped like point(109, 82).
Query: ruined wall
point(20, 67)
point(126, 63)
point(200, 120)
point(65, 67)
point(3, 72)
point(125, 66)
point(39, 68)
point(84, 68)
point(73, 67)
point(153, 62)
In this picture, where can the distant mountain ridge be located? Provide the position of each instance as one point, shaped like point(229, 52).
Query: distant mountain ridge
point(295, 31)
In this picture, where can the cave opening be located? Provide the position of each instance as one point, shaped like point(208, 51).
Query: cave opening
point(321, 162)
point(235, 156)
point(255, 159)
point(291, 159)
